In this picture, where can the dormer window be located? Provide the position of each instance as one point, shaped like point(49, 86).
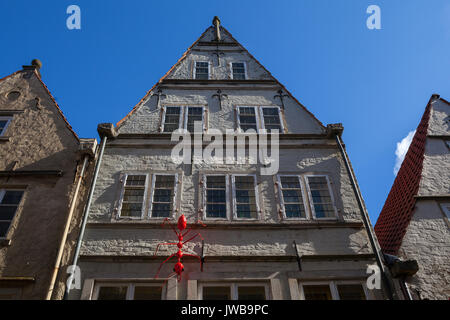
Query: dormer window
point(201, 71)
point(238, 71)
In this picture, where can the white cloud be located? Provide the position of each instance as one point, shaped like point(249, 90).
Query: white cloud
point(402, 148)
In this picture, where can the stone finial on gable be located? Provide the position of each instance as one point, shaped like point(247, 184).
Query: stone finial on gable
point(216, 23)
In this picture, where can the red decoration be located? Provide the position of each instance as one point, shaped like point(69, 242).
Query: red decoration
point(181, 225)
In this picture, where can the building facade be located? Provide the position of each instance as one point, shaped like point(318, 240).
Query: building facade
point(44, 172)
point(287, 228)
point(414, 222)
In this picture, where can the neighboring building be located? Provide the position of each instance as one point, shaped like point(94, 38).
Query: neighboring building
point(40, 167)
point(414, 223)
point(252, 219)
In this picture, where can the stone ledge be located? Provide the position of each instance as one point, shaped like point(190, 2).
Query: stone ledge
point(5, 139)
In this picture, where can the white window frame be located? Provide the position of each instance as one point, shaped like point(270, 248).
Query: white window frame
point(238, 119)
point(333, 287)
point(311, 203)
point(205, 199)
point(263, 126)
point(302, 190)
point(234, 294)
point(2, 194)
point(444, 207)
point(245, 69)
point(233, 188)
point(123, 181)
point(8, 121)
point(195, 69)
point(180, 121)
point(174, 199)
point(130, 288)
point(186, 114)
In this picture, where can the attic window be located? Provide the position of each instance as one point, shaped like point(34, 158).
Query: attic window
point(201, 71)
point(238, 70)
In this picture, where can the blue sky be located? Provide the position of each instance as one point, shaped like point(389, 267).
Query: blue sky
point(376, 82)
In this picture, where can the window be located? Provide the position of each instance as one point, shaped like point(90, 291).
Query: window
point(238, 71)
point(247, 118)
point(320, 197)
point(163, 198)
point(4, 122)
point(446, 208)
point(245, 204)
point(291, 197)
point(9, 201)
point(193, 114)
point(132, 291)
point(234, 291)
point(216, 195)
point(334, 290)
point(173, 115)
point(201, 70)
point(271, 118)
point(172, 119)
point(133, 196)
point(252, 117)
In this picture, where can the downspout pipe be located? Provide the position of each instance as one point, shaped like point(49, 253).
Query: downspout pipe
point(105, 130)
point(365, 217)
point(66, 229)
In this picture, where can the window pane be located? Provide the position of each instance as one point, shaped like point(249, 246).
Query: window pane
point(136, 180)
point(112, 293)
point(247, 118)
point(321, 197)
point(201, 70)
point(194, 114)
point(147, 293)
point(238, 71)
point(12, 197)
point(317, 292)
point(133, 195)
point(292, 197)
point(2, 125)
point(7, 212)
point(271, 119)
point(245, 197)
point(163, 195)
point(216, 293)
point(4, 228)
point(172, 119)
point(351, 292)
point(251, 293)
point(216, 197)
point(290, 182)
point(131, 210)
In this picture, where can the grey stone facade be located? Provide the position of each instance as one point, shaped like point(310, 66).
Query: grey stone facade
point(119, 251)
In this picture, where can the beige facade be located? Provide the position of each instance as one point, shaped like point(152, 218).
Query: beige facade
point(40, 164)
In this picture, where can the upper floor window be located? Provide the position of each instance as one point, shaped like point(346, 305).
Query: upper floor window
point(179, 117)
point(238, 70)
point(334, 290)
point(446, 208)
point(320, 197)
point(201, 70)
point(215, 196)
point(292, 202)
point(163, 198)
point(4, 122)
point(244, 197)
point(9, 201)
point(133, 196)
point(256, 118)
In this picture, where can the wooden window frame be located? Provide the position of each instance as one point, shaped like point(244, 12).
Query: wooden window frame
point(311, 203)
point(2, 194)
point(205, 198)
point(234, 286)
point(8, 121)
point(130, 288)
point(233, 193)
point(194, 76)
point(304, 197)
point(123, 181)
point(174, 199)
point(245, 69)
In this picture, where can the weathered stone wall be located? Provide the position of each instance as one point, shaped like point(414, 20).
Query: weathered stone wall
point(37, 139)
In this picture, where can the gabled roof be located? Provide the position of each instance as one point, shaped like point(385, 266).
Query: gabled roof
point(185, 54)
point(36, 73)
point(398, 209)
